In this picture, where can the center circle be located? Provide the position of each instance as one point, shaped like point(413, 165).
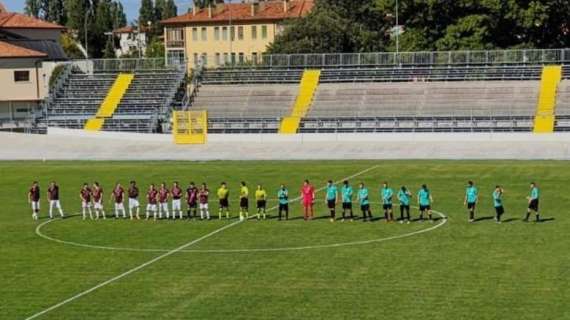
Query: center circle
point(209, 249)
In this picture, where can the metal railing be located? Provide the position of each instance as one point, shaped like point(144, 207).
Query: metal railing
point(487, 57)
point(130, 65)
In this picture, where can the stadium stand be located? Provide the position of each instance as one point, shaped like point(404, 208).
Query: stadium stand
point(144, 107)
point(396, 99)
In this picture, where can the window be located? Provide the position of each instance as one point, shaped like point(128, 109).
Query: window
point(233, 58)
point(233, 33)
point(264, 32)
point(226, 57)
point(217, 33)
point(241, 58)
point(218, 60)
point(196, 60)
point(22, 76)
point(254, 32)
point(240, 33)
point(254, 57)
point(204, 59)
point(225, 33)
point(175, 57)
point(204, 34)
point(194, 34)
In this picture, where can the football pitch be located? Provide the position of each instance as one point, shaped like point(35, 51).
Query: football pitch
point(226, 269)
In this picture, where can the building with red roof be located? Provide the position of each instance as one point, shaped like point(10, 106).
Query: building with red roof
point(29, 50)
point(229, 32)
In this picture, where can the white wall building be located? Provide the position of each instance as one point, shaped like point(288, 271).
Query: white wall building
point(130, 40)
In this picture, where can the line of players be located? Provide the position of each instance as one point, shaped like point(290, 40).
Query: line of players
point(197, 201)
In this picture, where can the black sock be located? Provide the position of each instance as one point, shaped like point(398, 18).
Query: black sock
point(527, 215)
point(537, 217)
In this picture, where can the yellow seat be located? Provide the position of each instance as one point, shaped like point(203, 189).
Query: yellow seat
point(111, 102)
point(545, 109)
point(307, 88)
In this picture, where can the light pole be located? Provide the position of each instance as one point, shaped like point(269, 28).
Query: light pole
point(86, 42)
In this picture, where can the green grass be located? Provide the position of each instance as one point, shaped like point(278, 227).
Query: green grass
point(458, 271)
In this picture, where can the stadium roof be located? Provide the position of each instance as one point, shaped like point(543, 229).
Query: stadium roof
point(8, 50)
point(14, 20)
point(242, 12)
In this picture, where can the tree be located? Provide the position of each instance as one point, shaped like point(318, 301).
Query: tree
point(335, 26)
point(155, 49)
point(32, 8)
point(54, 10)
point(170, 10)
point(118, 14)
point(205, 3)
point(146, 13)
point(109, 52)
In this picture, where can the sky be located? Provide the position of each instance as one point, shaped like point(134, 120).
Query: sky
point(131, 6)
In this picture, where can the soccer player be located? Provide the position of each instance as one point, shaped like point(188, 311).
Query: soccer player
point(364, 203)
point(498, 203)
point(347, 194)
point(133, 199)
point(117, 196)
point(203, 199)
point(176, 196)
point(387, 193)
point(533, 202)
point(152, 200)
point(404, 197)
point(223, 198)
point(192, 200)
point(332, 199)
point(34, 199)
point(471, 198)
point(85, 196)
point(53, 197)
point(98, 200)
point(308, 198)
point(261, 199)
point(243, 201)
point(424, 201)
point(163, 195)
point(283, 197)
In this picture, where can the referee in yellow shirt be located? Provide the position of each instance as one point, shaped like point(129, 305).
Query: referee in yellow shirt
point(243, 201)
point(261, 198)
point(223, 197)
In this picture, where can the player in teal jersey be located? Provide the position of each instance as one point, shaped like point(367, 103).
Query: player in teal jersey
point(347, 194)
point(533, 202)
point(364, 203)
point(283, 197)
point(404, 196)
point(498, 203)
point(386, 193)
point(471, 198)
point(332, 199)
point(424, 201)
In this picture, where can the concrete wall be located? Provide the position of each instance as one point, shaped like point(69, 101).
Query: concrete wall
point(16, 110)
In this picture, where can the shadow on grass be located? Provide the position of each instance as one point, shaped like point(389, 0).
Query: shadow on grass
point(484, 218)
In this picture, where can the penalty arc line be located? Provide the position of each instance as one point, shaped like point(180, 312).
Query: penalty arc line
point(167, 254)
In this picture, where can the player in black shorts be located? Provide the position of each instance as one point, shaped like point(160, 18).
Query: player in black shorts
point(533, 202)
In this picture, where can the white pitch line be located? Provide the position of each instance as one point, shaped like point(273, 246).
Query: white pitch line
point(247, 250)
point(169, 253)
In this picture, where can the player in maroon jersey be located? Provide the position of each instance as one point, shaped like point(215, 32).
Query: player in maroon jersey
point(176, 192)
point(118, 196)
point(152, 199)
point(192, 200)
point(85, 196)
point(203, 200)
point(34, 199)
point(163, 195)
point(53, 197)
point(98, 200)
point(133, 199)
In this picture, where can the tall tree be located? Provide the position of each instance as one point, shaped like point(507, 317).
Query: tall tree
point(170, 10)
point(146, 13)
point(32, 8)
point(109, 52)
point(54, 11)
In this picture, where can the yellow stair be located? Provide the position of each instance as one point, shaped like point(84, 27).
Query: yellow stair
point(307, 88)
point(111, 102)
point(545, 116)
